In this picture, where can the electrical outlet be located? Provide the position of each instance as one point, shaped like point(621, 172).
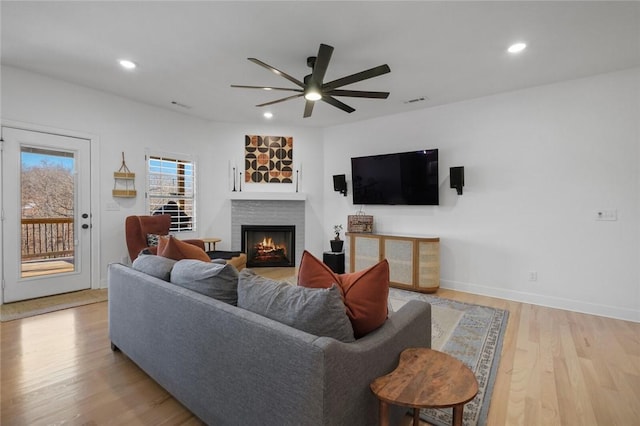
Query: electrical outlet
point(610, 215)
point(533, 276)
point(112, 207)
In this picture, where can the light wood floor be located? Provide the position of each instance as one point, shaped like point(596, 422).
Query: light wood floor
point(557, 367)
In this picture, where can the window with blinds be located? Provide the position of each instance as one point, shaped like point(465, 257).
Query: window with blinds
point(171, 190)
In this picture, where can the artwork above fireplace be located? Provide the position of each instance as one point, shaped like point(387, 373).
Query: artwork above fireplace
point(269, 245)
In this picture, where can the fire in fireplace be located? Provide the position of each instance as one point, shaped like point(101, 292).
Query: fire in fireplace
point(269, 245)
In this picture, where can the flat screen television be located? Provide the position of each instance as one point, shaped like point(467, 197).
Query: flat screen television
point(406, 178)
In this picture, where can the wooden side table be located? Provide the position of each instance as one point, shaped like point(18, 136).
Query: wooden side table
point(426, 378)
point(209, 242)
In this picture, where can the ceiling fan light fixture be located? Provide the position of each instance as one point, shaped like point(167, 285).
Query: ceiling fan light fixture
point(312, 95)
point(268, 115)
point(313, 87)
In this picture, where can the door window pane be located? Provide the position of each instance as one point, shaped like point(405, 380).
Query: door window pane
point(47, 189)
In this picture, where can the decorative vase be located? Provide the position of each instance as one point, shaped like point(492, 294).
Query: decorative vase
point(336, 245)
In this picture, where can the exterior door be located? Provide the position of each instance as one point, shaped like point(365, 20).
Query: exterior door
point(46, 229)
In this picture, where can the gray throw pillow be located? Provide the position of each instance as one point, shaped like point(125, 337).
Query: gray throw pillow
point(211, 279)
point(318, 311)
point(156, 266)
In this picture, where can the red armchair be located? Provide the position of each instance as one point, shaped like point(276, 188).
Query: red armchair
point(137, 228)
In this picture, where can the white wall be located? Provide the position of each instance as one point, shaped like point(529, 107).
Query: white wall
point(227, 144)
point(539, 163)
point(123, 125)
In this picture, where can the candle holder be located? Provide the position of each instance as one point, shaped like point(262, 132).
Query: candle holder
point(234, 179)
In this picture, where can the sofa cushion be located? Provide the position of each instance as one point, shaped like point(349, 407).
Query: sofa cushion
point(171, 247)
point(316, 311)
point(211, 279)
point(365, 292)
point(156, 266)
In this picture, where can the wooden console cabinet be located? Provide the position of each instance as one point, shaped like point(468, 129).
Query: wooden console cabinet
point(414, 262)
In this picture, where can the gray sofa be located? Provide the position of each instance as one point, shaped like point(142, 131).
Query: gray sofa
point(230, 366)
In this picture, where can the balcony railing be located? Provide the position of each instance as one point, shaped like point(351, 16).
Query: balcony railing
point(47, 238)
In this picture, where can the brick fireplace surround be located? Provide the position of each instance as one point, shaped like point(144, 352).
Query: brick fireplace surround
point(268, 212)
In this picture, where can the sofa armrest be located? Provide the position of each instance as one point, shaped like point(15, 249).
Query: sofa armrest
point(352, 367)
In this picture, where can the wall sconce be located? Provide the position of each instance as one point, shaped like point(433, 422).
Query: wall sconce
point(340, 184)
point(456, 177)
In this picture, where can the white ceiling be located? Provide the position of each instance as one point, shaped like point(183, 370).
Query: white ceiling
point(190, 52)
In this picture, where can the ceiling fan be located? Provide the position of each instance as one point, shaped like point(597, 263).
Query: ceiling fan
point(313, 87)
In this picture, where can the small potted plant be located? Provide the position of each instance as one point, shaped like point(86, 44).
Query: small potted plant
point(337, 243)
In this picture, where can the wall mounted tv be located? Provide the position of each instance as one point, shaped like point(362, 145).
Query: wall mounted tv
point(406, 178)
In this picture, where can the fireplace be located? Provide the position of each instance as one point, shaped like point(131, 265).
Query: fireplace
point(269, 245)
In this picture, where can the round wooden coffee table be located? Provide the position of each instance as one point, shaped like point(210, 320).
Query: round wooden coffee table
point(426, 378)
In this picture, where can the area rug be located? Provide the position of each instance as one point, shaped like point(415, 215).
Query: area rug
point(471, 333)
point(43, 305)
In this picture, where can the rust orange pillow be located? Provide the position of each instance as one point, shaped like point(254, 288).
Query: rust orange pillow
point(313, 273)
point(169, 246)
point(365, 292)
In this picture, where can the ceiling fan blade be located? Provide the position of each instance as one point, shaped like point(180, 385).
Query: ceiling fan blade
point(322, 62)
point(266, 88)
point(280, 100)
point(336, 103)
point(308, 108)
point(277, 71)
point(354, 78)
point(358, 94)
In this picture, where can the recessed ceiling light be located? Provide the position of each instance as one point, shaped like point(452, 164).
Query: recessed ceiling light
point(127, 64)
point(267, 114)
point(517, 47)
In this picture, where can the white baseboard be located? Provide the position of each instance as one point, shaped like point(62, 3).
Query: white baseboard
point(548, 301)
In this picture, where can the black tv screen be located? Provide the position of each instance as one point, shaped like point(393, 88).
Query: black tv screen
point(409, 178)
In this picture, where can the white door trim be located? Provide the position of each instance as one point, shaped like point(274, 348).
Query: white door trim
point(94, 185)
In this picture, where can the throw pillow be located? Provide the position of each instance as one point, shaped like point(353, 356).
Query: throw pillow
point(156, 266)
point(365, 292)
point(152, 240)
point(313, 273)
point(316, 311)
point(171, 247)
point(211, 279)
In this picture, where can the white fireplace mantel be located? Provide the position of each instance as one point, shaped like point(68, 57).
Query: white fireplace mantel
point(274, 196)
